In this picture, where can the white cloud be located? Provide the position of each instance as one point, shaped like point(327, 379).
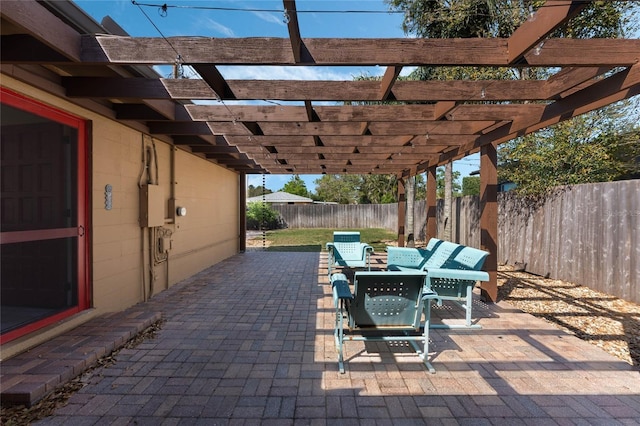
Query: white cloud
point(407, 70)
point(278, 72)
point(217, 27)
point(270, 17)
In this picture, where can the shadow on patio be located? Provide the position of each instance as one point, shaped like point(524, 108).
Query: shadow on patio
point(250, 341)
point(601, 319)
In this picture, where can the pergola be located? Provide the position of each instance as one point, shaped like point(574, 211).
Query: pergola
point(428, 124)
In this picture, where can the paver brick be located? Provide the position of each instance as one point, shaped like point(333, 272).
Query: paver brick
point(249, 341)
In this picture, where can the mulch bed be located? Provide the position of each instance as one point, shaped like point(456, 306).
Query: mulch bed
point(603, 320)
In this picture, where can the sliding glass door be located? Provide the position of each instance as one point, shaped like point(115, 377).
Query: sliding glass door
point(43, 234)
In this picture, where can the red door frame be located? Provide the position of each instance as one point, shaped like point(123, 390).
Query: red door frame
point(19, 101)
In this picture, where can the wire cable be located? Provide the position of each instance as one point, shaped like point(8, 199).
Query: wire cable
point(166, 6)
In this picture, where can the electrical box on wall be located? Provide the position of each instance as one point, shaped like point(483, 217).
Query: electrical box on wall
point(173, 204)
point(151, 206)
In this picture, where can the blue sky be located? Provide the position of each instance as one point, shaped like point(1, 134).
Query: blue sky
point(263, 19)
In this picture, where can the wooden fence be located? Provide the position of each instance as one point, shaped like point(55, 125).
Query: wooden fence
point(339, 215)
point(587, 234)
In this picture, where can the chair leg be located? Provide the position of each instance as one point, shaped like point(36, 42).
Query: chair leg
point(427, 324)
point(469, 304)
point(339, 336)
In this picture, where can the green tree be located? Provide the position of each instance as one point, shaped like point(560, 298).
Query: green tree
point(470, 185)
point(455, 185)
point(255, 191)
point(598, 147)
point(378, 189)
point(342, 189)
point(262, 216)
point(500, 18)
point(421, 187)
point(296, 186)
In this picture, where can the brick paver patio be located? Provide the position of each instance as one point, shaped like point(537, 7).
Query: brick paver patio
point(249, 341)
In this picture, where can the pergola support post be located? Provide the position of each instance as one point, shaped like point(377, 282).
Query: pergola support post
point(431, 228)
point(242, 211)
point(402, 210)
point(489, 218)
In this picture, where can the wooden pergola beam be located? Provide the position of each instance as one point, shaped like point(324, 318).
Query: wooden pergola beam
point(622, 85)
point(361, 113)
point(431, 228)
point(56, 34)
point(340, 150)
point(215, 149)
point(387, 82)
point(489, 218)
point(214, 79)
point(355, 52)
point(569, 78)
point(402, 207)
point(203, 140)
point(545, 20)
point(300, 52)
point(295, 90)
point(351, 128)
point(442, 108)
point(364, 141)
point(619, 86)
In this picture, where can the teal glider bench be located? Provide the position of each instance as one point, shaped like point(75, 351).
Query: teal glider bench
point(347, 251)
point(384, 306)
point(390, 305)
point(452, 271)
point(434, 255)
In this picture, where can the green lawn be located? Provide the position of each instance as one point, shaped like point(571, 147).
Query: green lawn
point(315, 239)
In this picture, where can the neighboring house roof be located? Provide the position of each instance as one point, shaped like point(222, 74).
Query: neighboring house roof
point(280, 197)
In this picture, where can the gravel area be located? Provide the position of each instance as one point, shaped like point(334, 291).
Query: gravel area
point(603, 320)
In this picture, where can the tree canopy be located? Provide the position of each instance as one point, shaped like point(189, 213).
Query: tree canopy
point(500, 18)
point(598, 147)
point(255, 191)
point(341, 189)
point(296, 186)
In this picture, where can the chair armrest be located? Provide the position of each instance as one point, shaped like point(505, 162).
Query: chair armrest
point(431, 295)
point(340, 288)
point(458, 274)
point(330, 246)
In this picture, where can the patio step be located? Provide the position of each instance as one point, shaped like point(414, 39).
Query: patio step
point(30, 376)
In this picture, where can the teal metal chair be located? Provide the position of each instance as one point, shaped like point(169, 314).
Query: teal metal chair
point(384, 306)
point(391, 304)
point(439, 259)
point(347, 251)
point(456, 280)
